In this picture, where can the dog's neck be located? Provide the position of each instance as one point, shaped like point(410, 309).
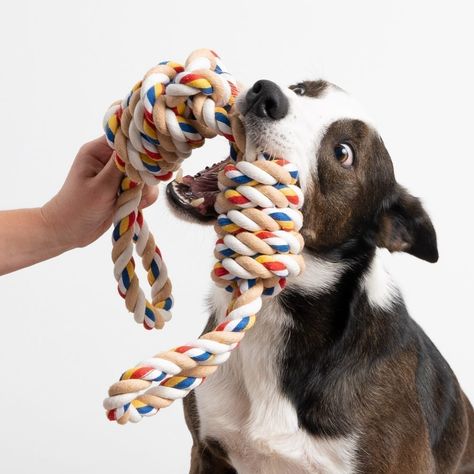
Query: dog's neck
point(319, 337)
point(323, 297)
point(320, 304)
point(344, 314)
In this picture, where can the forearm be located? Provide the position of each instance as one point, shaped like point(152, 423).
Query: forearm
point(26, 238)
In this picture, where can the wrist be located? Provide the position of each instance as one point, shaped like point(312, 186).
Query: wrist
point(54, 226)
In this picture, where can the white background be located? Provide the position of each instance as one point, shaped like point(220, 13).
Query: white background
point(64, 332)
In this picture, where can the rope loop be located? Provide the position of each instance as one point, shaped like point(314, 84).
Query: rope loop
point(163, 118)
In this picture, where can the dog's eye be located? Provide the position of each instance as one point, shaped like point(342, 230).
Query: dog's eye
point(344, 154)
point(299, 89)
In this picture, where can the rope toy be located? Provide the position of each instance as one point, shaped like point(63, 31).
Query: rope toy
point(165, 116)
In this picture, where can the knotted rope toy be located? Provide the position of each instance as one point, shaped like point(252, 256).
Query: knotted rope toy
point(170, 112)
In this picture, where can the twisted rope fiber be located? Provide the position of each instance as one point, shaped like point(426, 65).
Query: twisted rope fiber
point(152, 131)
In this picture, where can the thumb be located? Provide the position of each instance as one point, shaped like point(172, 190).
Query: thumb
point(110, 175)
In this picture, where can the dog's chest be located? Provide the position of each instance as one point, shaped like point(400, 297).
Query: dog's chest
point(242, 407)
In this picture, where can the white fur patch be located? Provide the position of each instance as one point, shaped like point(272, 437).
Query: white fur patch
point(379, 286)
point(318, 276)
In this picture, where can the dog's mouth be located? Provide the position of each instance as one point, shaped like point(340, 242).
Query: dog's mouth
point(196, 195)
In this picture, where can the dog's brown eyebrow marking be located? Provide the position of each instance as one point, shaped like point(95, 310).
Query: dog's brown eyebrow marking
point(315, 88)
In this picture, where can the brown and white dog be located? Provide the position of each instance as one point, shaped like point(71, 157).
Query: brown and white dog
point(335, 377)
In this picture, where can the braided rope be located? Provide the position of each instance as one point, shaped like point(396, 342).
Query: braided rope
point(152, 131)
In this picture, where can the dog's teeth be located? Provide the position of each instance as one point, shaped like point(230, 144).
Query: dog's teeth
point(197, 202)
point(179, 176)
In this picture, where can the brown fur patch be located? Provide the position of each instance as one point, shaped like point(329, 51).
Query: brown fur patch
point(312, 88)
point(341, 202)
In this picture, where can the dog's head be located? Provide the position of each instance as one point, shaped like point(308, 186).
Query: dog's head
point(346, 173)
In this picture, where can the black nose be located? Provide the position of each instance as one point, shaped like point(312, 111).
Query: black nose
point(266, 100)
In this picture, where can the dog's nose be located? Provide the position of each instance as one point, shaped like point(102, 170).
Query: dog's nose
point(266, 100)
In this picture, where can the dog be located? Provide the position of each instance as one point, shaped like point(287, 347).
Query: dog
point(335, 377)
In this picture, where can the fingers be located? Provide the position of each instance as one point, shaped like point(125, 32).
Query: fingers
point(92, 157)
point(100, 149)
point(110, 176)
point(97, 150)
point(149, 196)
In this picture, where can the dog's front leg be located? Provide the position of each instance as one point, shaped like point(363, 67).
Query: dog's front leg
point(208, 459)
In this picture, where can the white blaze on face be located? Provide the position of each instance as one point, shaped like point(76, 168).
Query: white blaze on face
point(297, 136)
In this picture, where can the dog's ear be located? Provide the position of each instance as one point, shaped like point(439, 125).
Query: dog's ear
point(404, 226)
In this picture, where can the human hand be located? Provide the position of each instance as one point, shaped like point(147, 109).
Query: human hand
point(83, 208)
